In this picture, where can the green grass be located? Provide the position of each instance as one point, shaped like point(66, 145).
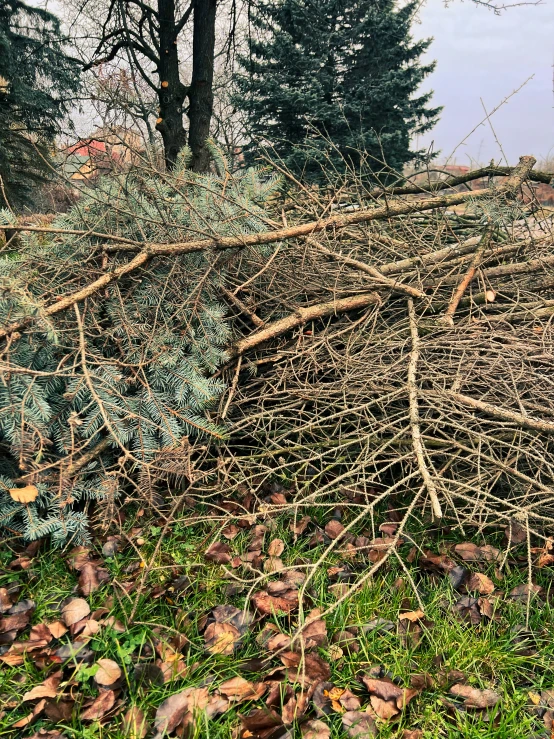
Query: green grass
point(489, 654)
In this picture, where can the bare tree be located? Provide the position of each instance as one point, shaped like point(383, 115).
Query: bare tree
point(149, 34)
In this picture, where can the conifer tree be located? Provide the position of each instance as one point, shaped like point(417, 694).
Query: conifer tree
point(340, 71)
point(37, 81)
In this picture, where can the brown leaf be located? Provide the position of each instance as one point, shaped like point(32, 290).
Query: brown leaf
point(57, 629)
point(273, 564)
point(135, 725)
point(108, 672)
point(315, 634)
point(315, 729)
point(262, 723)
point(221, 638)
point(99, 707)
point(411, 616)
point(171, 712)
point(88, 579)
point(47, 689)
point(359, 725)
point(412, 734)
point(474, 698)
point(37, 710)
point(269, 604)
point(334, 529)
point(216, 705)
point(515, 533)
point(480, 583)
point(238, 689)
point(276, 548)
point(436, 562)
point(523, 593)
point(279, 641)
point(349, 701)
point(75, 610)
point(78, 557)
point(219, 553)
point(5, 600)
point(298, 527)
point(24, 495)
point(309, 666)
point(470, 552)
point(230, 532)
point(387, 699)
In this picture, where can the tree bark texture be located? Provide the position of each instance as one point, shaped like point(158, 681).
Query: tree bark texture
point(171, 91)
point(201, 89)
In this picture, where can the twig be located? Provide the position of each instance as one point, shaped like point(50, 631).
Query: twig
point(448, 317)
point(414, 415)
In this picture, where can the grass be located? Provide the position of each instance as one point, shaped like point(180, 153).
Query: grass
point(490, 654)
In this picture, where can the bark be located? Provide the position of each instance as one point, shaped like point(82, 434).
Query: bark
point(171, 92)
point(201, 88)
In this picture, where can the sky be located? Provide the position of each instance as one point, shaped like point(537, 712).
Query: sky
point(484, 56)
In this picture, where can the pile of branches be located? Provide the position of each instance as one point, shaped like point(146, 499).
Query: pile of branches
point(391, 346)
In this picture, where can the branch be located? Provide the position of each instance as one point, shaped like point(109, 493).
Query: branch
point(497, 412)
point(302, 316)
point(388, 210)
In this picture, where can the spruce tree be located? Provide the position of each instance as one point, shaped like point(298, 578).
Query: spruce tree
point(37, 82)
point(326, 79)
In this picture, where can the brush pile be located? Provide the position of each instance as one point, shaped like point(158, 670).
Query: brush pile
point(392, 347)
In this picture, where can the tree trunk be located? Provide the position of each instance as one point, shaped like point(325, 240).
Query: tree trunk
point(171, 92)
point(200, 91)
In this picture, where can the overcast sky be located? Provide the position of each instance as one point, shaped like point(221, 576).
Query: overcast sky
point(481, 55)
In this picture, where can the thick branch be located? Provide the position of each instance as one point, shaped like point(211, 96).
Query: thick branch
point(302, 316)
point(389, 210)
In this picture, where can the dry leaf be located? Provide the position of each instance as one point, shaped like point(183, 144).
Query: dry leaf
point(47, 689)
point(474, 698)
point(135, 725)
point(108, 672)
point(270, 604)
point(221, 638)
point(37, 710)
point(24, 495)
point(57, 629)
point(273, 564)
point(334, 529)
point(88, 579)
point(75, 610)
point(276, 548)
point(315, 729)
point(99, 707)
point(480, 583)
point(411, 616)
point(238, 689)
point(299, 527)
point(359, 725)
point(219, 553)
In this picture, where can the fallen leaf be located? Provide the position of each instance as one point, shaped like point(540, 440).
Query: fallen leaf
point(147, 674)
point(179, 707)
point(88, 579)
point(269, 604)
point(411, 616)
point(273, 564)
point(47, 689)
point(238, 689)
point(216, 705)
point(5, 600)
point(412, 734)
point(75, 610)
point(57, 629)
point(108, 672)
point(436, 562)
point(298, 527)
point(26, 720)
point(387, 699)
point(523, 593)
point(359, 725)
point(221, 638)
point(315, 729)
point(24, 495)
point(276, 548)
point(231, 532)
point(135, 725)
point(474, 698)
point(515, 533)
point(99, 707)
point(334, 529)
point(480, 583)
point(262, 723)
point(219, 553)
point(310, 667)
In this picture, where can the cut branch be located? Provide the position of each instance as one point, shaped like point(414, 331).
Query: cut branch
point(302, 316)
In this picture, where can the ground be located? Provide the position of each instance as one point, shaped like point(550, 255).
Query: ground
point(446, 639)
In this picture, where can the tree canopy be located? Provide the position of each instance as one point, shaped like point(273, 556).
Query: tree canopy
point(38, 81)
point(326, 79)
